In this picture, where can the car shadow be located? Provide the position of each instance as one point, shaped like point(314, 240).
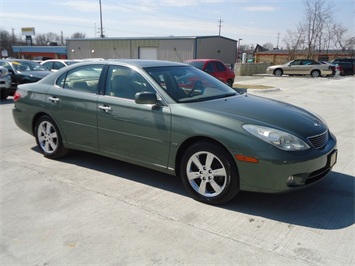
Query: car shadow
point(124, 170)
point(329, 205)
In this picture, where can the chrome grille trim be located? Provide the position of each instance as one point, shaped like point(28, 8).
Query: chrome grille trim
point(319, 141)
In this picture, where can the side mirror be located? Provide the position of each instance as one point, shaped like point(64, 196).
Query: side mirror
point(146, 98)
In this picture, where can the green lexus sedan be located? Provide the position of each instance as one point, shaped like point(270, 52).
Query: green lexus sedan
point(177, 119)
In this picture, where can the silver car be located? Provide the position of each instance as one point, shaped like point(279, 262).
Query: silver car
point(301, 67)
point(56, 64)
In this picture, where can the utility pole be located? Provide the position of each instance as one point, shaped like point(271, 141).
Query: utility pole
point(219, 26)
point(278, 37)
point(238, 50)
point(101, 28)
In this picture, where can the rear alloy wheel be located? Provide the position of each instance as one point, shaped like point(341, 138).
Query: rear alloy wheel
point(278, 73)
point(48, 138)
point(315, 74)
point(209, 174)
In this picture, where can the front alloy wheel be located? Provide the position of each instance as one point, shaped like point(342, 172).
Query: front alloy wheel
point(278, 73)
point(209, 173)
point(48, 138)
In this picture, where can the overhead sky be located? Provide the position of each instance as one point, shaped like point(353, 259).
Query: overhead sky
point(255, 22)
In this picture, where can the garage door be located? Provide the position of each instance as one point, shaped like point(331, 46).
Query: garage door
point(148, 53)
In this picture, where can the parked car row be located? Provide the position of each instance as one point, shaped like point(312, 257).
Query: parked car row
point(22, 71)
point(27, 71)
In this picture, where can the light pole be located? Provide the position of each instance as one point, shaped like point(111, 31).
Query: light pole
point(101, 28)
point(238, 48)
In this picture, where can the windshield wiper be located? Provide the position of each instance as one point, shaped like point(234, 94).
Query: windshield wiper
point(189, 100)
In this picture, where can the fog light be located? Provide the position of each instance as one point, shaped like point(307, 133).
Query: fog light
point(290, 181)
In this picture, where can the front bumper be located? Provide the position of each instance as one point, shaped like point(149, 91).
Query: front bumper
point(277, 176)
point(270, 71)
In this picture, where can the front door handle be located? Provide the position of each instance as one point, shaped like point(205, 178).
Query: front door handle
point(105, 108)
point(53, 99)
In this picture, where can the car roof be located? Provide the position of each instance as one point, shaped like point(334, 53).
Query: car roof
point(142, 63)
point(61, 60)
point(201, 60)
point(139, 63)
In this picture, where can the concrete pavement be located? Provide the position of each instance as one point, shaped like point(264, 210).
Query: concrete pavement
point(87, 209)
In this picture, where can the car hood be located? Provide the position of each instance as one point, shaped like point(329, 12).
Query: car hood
point(249, 109)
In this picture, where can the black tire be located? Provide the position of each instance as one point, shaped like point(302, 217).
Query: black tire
point(230, 83)
point(278, 72)
point(48, 138)
point(3, 94)
point(209, 173)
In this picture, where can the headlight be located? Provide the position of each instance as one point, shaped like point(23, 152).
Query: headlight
point(278, 138)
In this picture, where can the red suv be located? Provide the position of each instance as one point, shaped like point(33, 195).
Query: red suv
point(215, 68)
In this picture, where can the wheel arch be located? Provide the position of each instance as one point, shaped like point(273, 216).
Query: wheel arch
point(35, 119)
point(187, 143)
point(230, 82)
point(41, 114)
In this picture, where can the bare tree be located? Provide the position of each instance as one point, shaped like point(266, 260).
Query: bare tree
point(350, 44)
point(52, 37)
point(41, 39)
point(47, 39)
point(338, 36)
point(317, 31)
point(269, 46)
point(317, 15)
point(78, 35)
point(294, 41)
point(7, 40)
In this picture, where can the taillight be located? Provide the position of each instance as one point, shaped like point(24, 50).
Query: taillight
point(17, 96)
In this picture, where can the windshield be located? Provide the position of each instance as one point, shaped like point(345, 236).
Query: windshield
point(189, 84)
point(23, 66)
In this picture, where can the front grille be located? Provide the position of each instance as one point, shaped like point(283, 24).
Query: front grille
point(319, 141)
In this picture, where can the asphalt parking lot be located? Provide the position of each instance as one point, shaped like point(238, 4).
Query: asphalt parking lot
point(87, 209)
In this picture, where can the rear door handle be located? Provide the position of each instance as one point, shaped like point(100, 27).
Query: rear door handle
point(105, 108)
point(53, 99)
